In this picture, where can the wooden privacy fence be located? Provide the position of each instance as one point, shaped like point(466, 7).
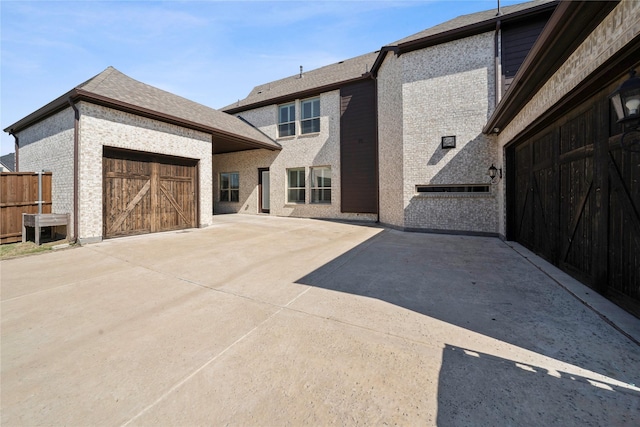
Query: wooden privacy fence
point(18, 195)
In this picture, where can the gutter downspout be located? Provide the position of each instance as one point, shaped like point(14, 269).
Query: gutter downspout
point(375, 91)
point(497, 66)
point(17, 145)
point(76, 155)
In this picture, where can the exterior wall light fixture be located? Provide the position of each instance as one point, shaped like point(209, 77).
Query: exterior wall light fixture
point(448, 141)
point(495, 174)
point(626, 102)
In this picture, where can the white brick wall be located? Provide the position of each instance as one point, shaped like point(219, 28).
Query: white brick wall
point(390, 142)
point(101, 126)
point(321, 149)
point(49, 145)
point(447, 89)
point(246, 163)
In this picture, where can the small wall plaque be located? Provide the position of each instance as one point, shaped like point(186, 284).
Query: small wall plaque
point(449, 142)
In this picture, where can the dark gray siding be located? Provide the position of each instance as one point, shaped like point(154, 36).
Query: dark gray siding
point(517, 40)
point(358, 159)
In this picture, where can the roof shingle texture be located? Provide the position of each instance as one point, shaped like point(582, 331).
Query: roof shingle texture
point(328, 75)
point(471, 19)
point(356, 67)
point(9, 161)
point(115, 85)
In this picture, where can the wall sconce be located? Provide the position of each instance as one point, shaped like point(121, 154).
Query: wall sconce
point(448, 141)
point(626, 102)
point(494, 173)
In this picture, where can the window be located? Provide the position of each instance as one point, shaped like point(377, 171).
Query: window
point(452, 189)
point(310, 120)
point(229, 187)
point(296, 185)
point(321, 185)
point(287, 120)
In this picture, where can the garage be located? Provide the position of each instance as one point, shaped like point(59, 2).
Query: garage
point(147, 193)
point(574, 199)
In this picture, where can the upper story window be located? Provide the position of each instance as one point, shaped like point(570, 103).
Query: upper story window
point(310, 117)
point(229, 187)
point(287, 120)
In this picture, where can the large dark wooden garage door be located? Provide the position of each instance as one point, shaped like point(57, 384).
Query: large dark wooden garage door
point(574, 199)
point(145, 193)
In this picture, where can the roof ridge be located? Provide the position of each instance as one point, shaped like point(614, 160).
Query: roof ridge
point(98, 78)
point(115, 89)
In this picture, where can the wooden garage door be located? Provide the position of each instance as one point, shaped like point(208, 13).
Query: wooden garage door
point(145, 193)
point(574, 199)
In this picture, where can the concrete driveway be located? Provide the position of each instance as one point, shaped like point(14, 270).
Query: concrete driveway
point(276, 321)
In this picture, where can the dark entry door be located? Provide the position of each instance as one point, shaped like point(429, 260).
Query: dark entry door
point(144, 193)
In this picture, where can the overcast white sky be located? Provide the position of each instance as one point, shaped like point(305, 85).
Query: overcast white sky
point(212, 52)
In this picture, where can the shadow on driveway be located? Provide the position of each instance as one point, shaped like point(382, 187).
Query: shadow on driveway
point(477, 386)
point(482, 285)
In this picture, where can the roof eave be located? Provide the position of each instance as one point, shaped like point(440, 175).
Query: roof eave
point(569, 25)
point(152, 114)
point(42, 113)
point(296, 95)
point(76, 95)
point(472, 29)
point(380, 58)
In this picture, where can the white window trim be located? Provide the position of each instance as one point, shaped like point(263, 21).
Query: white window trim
point(314, 187)
point(304, 171)
point(294, 121)
point(298, 121)
point(302, 101)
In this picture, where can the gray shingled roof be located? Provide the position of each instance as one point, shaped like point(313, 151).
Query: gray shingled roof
point(117, 90)
point(354, 68)
point(342, 71)
point(115, 85)
point(470, 19)
point(9, 161)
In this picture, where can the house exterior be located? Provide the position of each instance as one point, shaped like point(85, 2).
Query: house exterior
point(128, 158)
point(324, 120)
point(570, 192)
point(382, 120)
point(404, 136)
point(436, 90)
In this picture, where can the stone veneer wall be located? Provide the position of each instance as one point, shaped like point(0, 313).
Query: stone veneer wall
point(449, 89)
point(49, 145)
point(102, 126)
point(619, 27)
point(390, 158)
point(318, 149)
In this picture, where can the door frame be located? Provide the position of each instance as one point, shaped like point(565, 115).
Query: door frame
point(260, 208)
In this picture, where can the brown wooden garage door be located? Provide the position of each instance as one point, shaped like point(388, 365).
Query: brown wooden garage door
point(145, 193)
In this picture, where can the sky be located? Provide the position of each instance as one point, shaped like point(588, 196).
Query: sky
point(211, 52)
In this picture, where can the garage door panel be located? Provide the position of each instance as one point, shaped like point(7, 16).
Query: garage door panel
point(147, 193)
point(574, 199)
point(176, 204)
point(129, 207)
